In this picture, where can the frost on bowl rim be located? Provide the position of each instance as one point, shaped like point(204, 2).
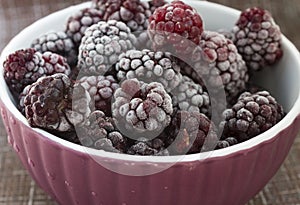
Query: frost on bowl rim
point(18, 42)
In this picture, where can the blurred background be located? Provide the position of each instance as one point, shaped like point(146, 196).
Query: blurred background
point(17, 187)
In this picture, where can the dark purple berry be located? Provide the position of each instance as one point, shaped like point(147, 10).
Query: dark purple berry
point(99, 132)
point(190, 132)
point(251, 115)
point(80, 21)
point(258, 38)
point(26, 66)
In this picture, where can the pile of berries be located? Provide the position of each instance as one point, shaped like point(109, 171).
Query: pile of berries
point(94, 85)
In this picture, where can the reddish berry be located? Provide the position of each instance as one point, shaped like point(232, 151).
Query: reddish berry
point(175, 26)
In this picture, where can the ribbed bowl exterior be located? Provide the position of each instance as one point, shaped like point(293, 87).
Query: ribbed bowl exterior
point(72, 177)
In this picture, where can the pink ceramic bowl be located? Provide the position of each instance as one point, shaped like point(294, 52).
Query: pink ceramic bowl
point(72, 174)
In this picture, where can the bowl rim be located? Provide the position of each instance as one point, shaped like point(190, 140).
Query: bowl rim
point(243, 147)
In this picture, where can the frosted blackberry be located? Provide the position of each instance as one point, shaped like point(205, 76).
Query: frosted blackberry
point(57, 42)
point(99, 132)
point(101, 89)
point(175, 27)
point(46, 101)
point(225, 65)
point(191, 97)
point(55, 63)
point(25, 66)
point(52, 104)
point(190, 132)
point(102, 45)
point(258, 38)
point(230, 141)
point(251, 115)
point(146, 147)
point(80, 21)
point(134, 13)
point(141, 109)
point(149, 66)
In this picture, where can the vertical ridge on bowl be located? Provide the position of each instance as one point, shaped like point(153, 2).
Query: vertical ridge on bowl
point(50, 176)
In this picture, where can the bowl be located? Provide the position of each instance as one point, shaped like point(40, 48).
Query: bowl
point(72, 174)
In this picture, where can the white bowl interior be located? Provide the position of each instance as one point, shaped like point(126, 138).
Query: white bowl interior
point(281, 79)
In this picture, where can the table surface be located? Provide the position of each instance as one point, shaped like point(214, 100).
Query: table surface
point(17, 187)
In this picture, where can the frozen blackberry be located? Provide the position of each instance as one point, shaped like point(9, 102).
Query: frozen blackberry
point(225, 65)
point(190, 132)
point(141, 108)
point(258, 38)
point(101, 89)
point(99, 132)
point(191, 97)
point(25, 66)
point(149, 66)
point(134, 13)
point(146, 147)
point(226, 143)
point(46, 102)
point(80, 21)
point(55, 63)
point(57, 42)
point(175, 27)
point(102, 45)
point(52, 104)
point(251, 115)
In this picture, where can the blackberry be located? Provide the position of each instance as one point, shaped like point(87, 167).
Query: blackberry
point(146, 147)
point(55, 63)
point(149, 66)
point(191, 97)
point(141, 108)
point(80, 21)
point(101, 90)
point(230, 141)
point(225, 65)
point(25, 66)
point(99, 132)
point(251, 115)
point(54, 105)
point(57, 42)
point(134, 13)
point(46, 102)
point(175, 27)
point(258, 38)
point(102, 44)
point(190, 132)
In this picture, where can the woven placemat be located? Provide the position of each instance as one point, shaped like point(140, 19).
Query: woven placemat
point(17, 187)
